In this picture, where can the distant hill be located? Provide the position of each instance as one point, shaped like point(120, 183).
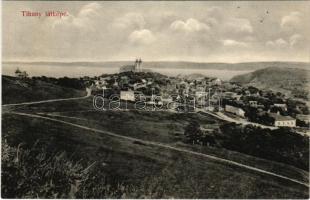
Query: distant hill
point(175, 64)
point(192, 76)
point(291, 81)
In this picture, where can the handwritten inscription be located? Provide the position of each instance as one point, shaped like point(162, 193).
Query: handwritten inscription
point(52, 13)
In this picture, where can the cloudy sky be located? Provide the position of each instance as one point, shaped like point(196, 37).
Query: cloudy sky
point(189, 31)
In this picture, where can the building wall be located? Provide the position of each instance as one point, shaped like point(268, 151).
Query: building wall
point(127, 95)
point(235, 110)
point(253, 103)
point(288, 123)
point(128, 68)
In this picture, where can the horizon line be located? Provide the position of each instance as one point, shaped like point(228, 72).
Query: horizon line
point(185, 61)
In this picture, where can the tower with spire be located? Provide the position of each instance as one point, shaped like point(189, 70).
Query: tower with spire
point(138, 63)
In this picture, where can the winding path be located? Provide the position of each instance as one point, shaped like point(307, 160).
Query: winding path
point(50, 100)
point(167, 147)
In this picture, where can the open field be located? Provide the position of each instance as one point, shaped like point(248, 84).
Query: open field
point(143, 151)
point(160, 171)
point(164, 127)
point(166, 172)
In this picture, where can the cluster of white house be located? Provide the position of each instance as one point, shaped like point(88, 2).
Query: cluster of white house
point(199, 93)
point(279, 120)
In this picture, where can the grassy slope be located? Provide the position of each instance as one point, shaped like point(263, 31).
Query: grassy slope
point(163, 173)
point(272, 74)
point(18, 91)
point(155, 126)
point(166, 128)
point(279, 79)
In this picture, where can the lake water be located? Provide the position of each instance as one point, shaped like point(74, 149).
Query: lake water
point(78, 71)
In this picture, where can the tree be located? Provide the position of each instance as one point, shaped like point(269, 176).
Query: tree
point(21, 74)
point(193, 132)
point(251, 113)
point(17, 72)
point(266, 119)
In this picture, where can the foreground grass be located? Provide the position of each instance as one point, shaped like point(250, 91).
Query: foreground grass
point(150, 172)
point(164, 127)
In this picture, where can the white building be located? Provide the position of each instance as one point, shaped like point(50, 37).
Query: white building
point(237, 96)
point(283, 121)
point(127, 95)
point(253, 104)
point(201, 98)
point(235, 110)
point(281, 105)
point(139, 85)
point(101, 83)
point(200, 94)
point(217, 82)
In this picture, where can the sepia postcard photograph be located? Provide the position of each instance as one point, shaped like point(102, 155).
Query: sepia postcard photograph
point(155, 99)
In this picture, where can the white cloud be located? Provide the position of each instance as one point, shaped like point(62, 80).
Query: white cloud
point(215, 12)
point(143, 36)
point(211, 21)
point(130, 20)
point(295, 39)
point(89, 10)
point(84, 19)
point(234, 43)
point(239, 25)
point(277, 43)
point(190, 25)
point(291, 20)
point(108, 31)
point(250, 39)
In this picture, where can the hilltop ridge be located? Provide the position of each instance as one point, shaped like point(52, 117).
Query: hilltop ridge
point(291, 81)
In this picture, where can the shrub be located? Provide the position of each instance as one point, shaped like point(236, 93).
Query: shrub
point(33, 173)
point(282, 145)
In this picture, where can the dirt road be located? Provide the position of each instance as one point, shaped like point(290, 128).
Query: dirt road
point(229, 162)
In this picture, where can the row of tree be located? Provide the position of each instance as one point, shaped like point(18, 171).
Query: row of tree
point(282, 145)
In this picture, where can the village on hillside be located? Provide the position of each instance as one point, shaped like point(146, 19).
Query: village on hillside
point(228, 100)
point(123, 123)
point(155, 100)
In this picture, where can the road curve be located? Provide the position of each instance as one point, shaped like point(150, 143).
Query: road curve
point(167, 147)
point(50, 100)
point(224, 117)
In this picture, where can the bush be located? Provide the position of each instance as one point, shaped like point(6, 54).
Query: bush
point(193, 132)
point(33, 173)
point(282, 145)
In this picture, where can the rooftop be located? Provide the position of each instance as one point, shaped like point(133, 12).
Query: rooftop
point(278, 117)
point(303, 117)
